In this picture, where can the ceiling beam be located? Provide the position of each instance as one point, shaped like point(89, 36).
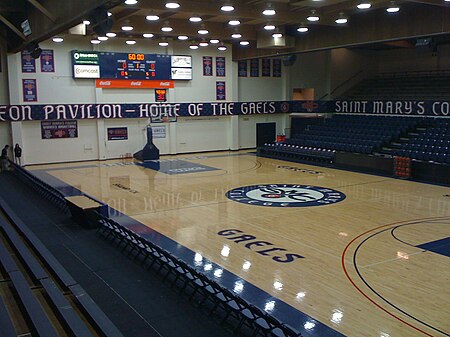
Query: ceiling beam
point(12, 27)
point(42, 9)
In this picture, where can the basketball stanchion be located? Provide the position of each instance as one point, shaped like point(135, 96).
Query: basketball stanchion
point(402, 167)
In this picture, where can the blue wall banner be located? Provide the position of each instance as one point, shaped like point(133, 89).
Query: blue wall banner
point(117, 133)
point(265, 71)
point(254, 68)
point(242, 68)
point(220, 91)
point(59, 129)
point(155, 110)
point(207, 66)
point(220, 66)
point(29, 87)
point(28, 62)
point(47, 61)
point(276, 67)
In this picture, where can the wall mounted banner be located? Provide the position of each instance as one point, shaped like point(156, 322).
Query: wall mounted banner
point(160, 95)
point(28, 62)
point(276, 67)
point(117, 133)
point(254, 68)
point(220, 66)
point(265, 67)
point(134, 84)
point(242, 68)
point(47, 61)
point(220, 91)
point(59, 129)
point(155, 110)
point(207, 66)
point(29, 87)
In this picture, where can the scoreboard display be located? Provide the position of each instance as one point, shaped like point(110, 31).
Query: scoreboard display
point(132, 66)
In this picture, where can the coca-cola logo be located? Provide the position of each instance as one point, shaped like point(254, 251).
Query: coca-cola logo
point(136, 83)
point(164, 84)
point(105, 83)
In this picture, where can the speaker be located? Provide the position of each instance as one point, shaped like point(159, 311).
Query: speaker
point(34, 49)
point(101, 22)
point(289, 60)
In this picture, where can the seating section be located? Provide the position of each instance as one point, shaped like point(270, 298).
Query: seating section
point(432, 144)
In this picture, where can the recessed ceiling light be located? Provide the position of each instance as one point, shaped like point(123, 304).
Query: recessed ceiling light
point(86, 22)
point(236, 36)
point(269, 12)
point(214, 41)
point(277, 35)
point(148, 35)
point(102, 38)
point(111, 34)
point(302, 29)
point(222, 48)
point(182, 37)
point(152, 17)
point(127, 28)
point(244, 43)
point(58, 39)
point(109, 14)
point(203, 44)
point(163, 44)
point(172, 5)
point(130, 41)
point(234, 22)
point(269, 27)
point(131, 2)
point(195, 19)
point(166, 29)
point(203, 31)
point(364, 5)
point(393, 8)
point(341, 21)
point(95, 41)
point(227, 8)
point(193, 46)
point(313, 18)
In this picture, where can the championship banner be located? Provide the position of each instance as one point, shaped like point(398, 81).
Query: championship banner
point(41, 112)
point(29, 88)
point(47, 61)
point(220, 91)
point(220, 66)
point(160, 95)
point(254, 68)
point(117, 133)
point(59, 129)
point(266, 67)
point(242, 68)
point(276, 67)
point(28, 62)
point(207, 66)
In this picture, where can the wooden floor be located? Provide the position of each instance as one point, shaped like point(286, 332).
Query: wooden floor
point(353, 264)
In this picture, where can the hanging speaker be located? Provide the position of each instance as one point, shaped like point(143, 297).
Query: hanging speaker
point(289, 60)
point(101, 22)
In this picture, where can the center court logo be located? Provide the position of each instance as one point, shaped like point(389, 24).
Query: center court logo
point(285, 195)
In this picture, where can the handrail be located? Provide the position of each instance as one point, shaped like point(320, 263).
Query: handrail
point(341, 84)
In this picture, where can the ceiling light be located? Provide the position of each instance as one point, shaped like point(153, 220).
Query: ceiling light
point(203, 44)
point(222, 48)
point(341, 19)
point(227, 8)
point(313, 16)
point(236, 36)
point(58, 39)
point(244, 43)
point(127, 28)
point(152, 17)
point(110, 14)
point(364, 5)
point(269, 10)
point(269, 27)
point(195, 19)
point(111, 34)
point(214, 41)
point(148, 35)
point(172, 5)
point(86, 22)
point(203, 31)
point(163, 44)
point(130, 41)
point(182, 37)
point(166, 29)
point(302, 29)
point(277, 35)
point(131, 2)
point(95, 41)
point(193, 46)
point(234, 22)
point(393, 8)
point(102, 38)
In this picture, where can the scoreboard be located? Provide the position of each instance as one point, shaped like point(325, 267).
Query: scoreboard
point(133, 66)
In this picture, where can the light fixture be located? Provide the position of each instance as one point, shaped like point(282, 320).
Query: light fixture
point(269, 10)
point(130, 42)
point(148, 35)
point(269, 27)
point(227, 8)
point(222, 48)
point(111, 34)
point(244, 43)
point(166, 28)
point(364, 5)
point(57, 39)
point(182, 37)
point(214, 41)
point(95, 41)
point(110, 14)
point(172, 5)
point(102, 38)
point(163, 44)
point(203, 44)
point(203, 31)
point(152, 17)
point(234, 22)
point(277, 35)
point(127, 28)
point(86, 22)
point(313, 16)
point(193, 46)
point(236, 36)
point(393, 8)
point(302, 29)
point(131, 2)
point(195, 19)
point(341, 19)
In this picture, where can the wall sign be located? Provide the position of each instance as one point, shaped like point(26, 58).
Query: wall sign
point(159, 131)
point(59, 129)
point(266, 67)
point(254, 68)
point(117, 133)
point(133, 84)
point(29, 87)
point(220, 66)
point(207, 66)
point(276, 67)
point(220, 91)
point(160, 95)
point(28, 62)
point(242, 68)
point(47, 61)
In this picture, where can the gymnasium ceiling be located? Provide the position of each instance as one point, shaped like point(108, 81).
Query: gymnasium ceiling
point(371, 27)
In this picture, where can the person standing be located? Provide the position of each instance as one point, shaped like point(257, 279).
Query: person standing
point(4, 158)
point(18, 155)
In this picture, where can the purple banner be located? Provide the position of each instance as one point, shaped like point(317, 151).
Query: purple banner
point(47, 61)
point(254, 68)
point(276, 64)
point(160, 95)
point(242, 68)
point(29, 87)
point(207, 66)
point(220, 66)
point(28, 62)
point(118, 133)
point(265, 67)
point(59, 129)
point(220, 91)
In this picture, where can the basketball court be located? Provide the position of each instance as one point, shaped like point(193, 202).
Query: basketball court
point(329, 252)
